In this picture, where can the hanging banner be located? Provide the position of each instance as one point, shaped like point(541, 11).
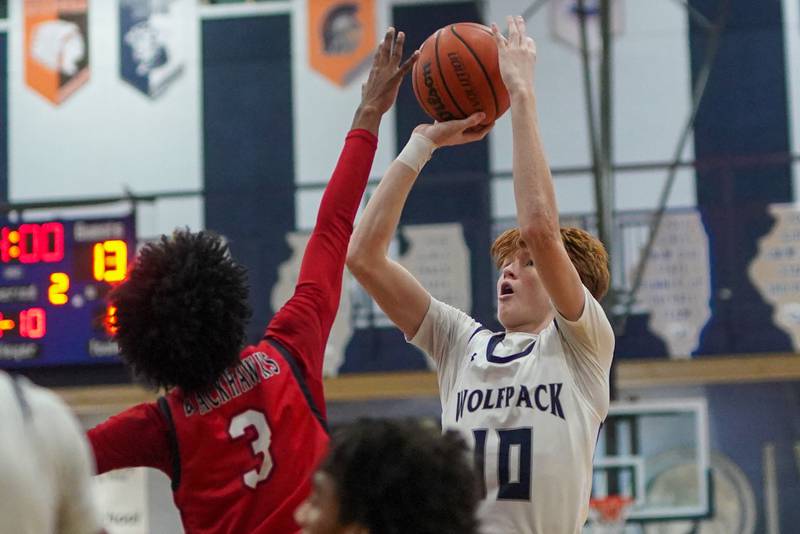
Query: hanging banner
point(676, 288)
point(566, 22)
point(341, 37)
point(152, 44)
point(56, 47)
point(775, 271)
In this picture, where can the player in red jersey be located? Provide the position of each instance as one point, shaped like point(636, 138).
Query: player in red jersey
point(240, 432)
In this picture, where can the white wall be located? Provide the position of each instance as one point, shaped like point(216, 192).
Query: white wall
point(651, 100)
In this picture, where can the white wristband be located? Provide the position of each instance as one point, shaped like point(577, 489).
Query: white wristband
point(417, 152)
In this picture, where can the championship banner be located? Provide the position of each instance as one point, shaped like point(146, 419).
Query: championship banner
point(152, 44)
point(341, 37)
point(775, 271)
point(56, 47)
point(676, 288)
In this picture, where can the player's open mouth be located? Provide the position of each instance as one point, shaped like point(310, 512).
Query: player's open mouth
point(506, 289)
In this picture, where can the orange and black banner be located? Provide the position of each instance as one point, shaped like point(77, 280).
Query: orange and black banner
point(341, 37)
point(56, 47)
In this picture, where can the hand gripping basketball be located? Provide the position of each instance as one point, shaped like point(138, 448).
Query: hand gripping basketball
point(455, 132)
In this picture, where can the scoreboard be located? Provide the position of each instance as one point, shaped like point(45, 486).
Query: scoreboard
point(54, 276)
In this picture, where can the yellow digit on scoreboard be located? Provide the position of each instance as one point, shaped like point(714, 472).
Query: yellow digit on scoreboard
point(59, 285)
point(110, 262)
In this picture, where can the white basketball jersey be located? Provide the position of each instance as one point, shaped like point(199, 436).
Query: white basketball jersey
point(45, 464)
point(530, 406)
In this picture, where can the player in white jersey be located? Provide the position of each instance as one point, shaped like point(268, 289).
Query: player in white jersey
point(45, 466)
point(529, 400)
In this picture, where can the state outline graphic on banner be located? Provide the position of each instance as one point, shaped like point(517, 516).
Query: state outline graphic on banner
point(56, 47)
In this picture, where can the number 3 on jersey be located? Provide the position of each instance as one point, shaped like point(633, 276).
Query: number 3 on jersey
point(260, 444)
point(512, 486)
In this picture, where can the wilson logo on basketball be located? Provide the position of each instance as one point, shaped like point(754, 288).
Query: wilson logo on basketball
point(437, 105)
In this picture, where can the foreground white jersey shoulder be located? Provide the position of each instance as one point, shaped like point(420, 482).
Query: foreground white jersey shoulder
point(45, 465)
point(530, 406)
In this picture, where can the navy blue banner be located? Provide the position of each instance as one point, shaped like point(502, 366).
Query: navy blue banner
point(248, 146)
point(743, 115)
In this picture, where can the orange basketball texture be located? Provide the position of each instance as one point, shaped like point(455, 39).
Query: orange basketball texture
point(457, 74)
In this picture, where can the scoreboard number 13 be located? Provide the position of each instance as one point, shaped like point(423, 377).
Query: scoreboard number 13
point(110, 261)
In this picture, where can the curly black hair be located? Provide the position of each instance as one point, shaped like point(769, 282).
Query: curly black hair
point(397, 477)
point(181, 315)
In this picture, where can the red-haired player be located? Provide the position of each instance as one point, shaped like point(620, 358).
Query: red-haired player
point(529, 400)
point(240, 431)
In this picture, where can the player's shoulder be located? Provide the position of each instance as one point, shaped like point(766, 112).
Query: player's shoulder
point(443, 311)
point(47, 413)
point(268, 344)
point(38, 399)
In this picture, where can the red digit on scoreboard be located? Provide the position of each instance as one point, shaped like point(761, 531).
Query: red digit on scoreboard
point(29, 245)
point(32, 323)
point(5, 244)
point(33, 243)
point(51, 236)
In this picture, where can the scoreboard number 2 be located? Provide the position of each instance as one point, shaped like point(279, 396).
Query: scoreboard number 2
point(57, 292)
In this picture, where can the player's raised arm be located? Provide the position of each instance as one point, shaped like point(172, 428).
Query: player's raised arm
point(534, 194)
point(305, 321)
point(396, 291)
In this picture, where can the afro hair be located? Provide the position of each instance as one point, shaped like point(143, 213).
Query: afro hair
point(396, 477)
point(181, 315)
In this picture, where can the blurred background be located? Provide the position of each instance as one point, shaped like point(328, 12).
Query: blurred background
point(673, 131)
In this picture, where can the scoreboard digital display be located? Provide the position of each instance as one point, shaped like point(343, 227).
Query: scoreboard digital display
point(54, 276)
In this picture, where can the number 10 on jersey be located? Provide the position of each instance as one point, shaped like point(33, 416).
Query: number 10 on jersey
point(514, 458)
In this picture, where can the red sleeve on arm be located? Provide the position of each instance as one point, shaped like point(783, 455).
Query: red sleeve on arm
point(304, 322)
point(136, 437)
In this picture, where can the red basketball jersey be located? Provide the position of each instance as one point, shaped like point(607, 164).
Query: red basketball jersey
point(233, 427)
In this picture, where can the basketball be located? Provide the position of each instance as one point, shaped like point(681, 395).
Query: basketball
point(458, 74)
